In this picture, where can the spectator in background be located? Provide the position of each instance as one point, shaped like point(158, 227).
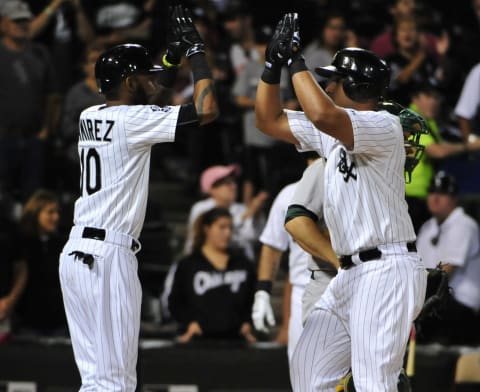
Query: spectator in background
point(467, 109)
point(29, 102)
point(80, 96)
point(220, 184)
point(116, 22)
point(410, 63)
point(384, 43)
point(333, 36)
point(40, 310)
point(427, 101)
point(64, 28)
point(238, 24)
point(213, 287)
point(13, 277)
point(259, 149)
point(452, 238)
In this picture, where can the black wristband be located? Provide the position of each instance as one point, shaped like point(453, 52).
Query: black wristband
point(271, 75)
point(168, 77)
point(265, 285)
point(297, 65)
point(200, 68)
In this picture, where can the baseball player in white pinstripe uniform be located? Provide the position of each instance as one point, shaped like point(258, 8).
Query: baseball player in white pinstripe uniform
point(98, 266)
point(307, 277)
point(365, 315)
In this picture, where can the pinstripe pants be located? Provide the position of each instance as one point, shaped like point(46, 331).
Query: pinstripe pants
point(102, 305)
point(362, 321)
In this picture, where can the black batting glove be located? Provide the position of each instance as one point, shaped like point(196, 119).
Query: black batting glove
point(184, 32)
point(296, 62)
point(278, 49)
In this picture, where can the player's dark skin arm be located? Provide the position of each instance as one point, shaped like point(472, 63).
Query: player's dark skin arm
point(205, 101)
point(320, 108)
point(307, 234)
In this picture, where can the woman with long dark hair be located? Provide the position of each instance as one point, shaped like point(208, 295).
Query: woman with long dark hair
point(40, 311)
point(213, 288)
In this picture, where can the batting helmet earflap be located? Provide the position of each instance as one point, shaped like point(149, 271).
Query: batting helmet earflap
point(365, 76)
point(121, 61)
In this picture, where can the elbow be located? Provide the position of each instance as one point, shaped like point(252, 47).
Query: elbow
point(207, 117)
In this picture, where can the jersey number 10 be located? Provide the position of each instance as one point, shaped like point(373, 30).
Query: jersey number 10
point(90, 171)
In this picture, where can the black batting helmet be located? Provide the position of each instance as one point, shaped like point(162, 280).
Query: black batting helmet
point(117, 63)
point(365, 76)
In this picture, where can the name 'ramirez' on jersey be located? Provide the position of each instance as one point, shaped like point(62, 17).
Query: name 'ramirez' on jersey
point(114, 149)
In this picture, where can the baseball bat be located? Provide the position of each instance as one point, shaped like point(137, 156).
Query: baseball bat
point(410, 368)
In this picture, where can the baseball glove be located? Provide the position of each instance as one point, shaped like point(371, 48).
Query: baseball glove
point(346, 383)
point(437, 292)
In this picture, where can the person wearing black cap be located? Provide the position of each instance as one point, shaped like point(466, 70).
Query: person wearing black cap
point(452, 238)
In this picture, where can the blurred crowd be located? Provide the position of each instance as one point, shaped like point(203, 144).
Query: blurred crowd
point(48, 51)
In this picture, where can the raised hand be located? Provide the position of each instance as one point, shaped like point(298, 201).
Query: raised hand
point(184, 33)
point(279, 49)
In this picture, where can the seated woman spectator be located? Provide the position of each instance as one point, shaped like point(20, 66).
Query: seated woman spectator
point(411, 63)
point(213, 287)
point(40, 310)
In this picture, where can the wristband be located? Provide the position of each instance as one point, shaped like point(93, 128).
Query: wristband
point(271, 75)
point(200, 68)
point(297, 65)
point(48, 11)
point(167, 77)
point(265, 285)
point(166, 63)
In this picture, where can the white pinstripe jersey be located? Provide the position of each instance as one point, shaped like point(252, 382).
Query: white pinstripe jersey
point(114, 147)
point(364, 194)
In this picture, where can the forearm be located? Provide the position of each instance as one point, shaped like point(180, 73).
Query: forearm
point(321, 110)
point(52, 113)
point(268, 106)
point(20, 281)
point(204, 97)
point(40, 21)
point(307, 234)
point(444, 150)
point(268, 263)
point(406, 73)
point(465, 127)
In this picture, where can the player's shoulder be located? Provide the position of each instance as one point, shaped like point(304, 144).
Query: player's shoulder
point(287, 191)
point(93, 109)
point(148, 109)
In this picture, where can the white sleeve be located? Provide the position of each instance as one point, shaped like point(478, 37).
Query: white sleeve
point(375, 133)
point(309, 138)
point(274, 233)
point(469, 100)
point(146, 125)
point(462, 243)
point(309, 191)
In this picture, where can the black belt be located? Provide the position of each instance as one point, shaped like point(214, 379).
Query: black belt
point(99, 234)
point(369, 254)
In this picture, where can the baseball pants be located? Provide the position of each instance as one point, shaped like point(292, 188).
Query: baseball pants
point(102, 303)
point(313, 291)
point(363, 320)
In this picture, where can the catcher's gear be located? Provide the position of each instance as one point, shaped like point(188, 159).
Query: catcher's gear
point(346, 383)
point(261, 311)
point(365, 76)
point(279, 49)
point(414, 126)
point(183, 34)
point(121, 61)
point(436, 294)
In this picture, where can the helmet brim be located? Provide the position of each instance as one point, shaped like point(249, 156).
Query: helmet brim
point(156, 68)
point(328, 71)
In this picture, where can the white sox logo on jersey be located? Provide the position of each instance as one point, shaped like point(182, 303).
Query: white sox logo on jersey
point(204, 281)
point(347, 170)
